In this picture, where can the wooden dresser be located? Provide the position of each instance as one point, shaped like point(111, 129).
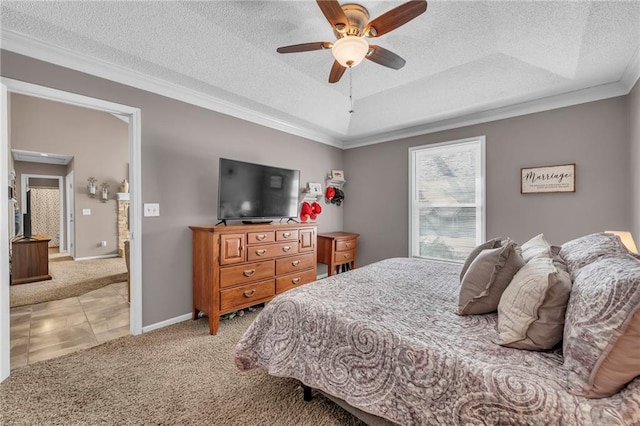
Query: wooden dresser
point(30, 259)
point(237, 266)
point(336, 249)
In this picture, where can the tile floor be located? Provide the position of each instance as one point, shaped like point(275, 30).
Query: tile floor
point(52, 329)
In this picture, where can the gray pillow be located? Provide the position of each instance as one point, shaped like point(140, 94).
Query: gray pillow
point(487, 277)
point(532, 308)
point(582, 251)
point(601, 344)
point(491, 244)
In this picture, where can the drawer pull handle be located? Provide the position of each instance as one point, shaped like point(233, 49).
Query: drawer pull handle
point(286, 234)
point(249, 293)
point(346, 255)
point(296, 280)
point(249, 272)
point(260, 237)
point(348, 244)
point(261, 252)
point(286, 248)
point(295, 263)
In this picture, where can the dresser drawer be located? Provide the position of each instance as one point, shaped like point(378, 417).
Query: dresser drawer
point(290, 281)
point(269, 251)
point(345, 245)
point(340, 257)
point(261, 237)
point(246, 273)
point(295, 263)
point(288, 235)
point(246, 295)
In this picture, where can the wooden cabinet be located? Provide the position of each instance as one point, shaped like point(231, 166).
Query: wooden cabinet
point(336, 249)
point(237, 266)
point(30, 259)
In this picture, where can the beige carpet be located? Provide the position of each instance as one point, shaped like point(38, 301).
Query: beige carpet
point(177, 375)
point(70, 279)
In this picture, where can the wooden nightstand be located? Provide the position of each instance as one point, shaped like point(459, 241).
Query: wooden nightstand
point(337, 249)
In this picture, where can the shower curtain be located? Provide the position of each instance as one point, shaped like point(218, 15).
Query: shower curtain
point(45, 213)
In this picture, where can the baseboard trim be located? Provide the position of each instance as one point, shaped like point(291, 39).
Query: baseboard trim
point(166, 323)
point(104, 256)
point(184, 317)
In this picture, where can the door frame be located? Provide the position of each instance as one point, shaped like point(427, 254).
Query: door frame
point(69, 215)
point(135, 188)
point(24, 184)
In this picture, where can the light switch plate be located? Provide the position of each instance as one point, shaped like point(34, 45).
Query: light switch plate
point(86, 212)
point(151, 209)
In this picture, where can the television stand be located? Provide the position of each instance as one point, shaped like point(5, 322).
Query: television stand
point(256, 222)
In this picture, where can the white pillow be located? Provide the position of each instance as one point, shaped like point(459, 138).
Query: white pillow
point(532, 308)
point(538, 247)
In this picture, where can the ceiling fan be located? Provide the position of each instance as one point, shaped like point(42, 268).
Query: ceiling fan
point(351, 24)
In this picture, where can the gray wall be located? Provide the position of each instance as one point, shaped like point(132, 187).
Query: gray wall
point(181, 144)
point(634, 136)
point(99, 144)
point(592, 135)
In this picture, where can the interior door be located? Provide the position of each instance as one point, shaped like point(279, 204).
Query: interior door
point(68, 184)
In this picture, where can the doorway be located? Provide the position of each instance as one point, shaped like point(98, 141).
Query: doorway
point(47, 207)
point(69, 215)
point(134, 116)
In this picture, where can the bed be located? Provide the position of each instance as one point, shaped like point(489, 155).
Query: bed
point(386, 339)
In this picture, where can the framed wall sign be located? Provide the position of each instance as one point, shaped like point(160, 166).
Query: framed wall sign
point(314, 188)
point(561, 178)
point(337, 175)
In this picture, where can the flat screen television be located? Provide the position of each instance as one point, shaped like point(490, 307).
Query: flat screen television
point(256, 193)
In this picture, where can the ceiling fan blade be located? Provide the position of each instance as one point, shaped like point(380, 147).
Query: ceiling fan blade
point(336, 72)
point(334, 14)
point(304, 47)
point(394, 18)
point(385, 57)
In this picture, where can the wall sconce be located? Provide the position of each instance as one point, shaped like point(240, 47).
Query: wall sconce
point(104, 192)
point(92, 187)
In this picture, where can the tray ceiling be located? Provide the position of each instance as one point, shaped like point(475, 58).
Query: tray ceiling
point(464, 59)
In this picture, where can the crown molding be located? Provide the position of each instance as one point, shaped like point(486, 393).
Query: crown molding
point(38, 49)
point(627, 81)
point(590, 94)
point(631, 74)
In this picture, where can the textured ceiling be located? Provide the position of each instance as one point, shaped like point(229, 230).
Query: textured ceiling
point(462, 57)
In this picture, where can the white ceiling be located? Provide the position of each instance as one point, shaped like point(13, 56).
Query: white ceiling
point(467, 61)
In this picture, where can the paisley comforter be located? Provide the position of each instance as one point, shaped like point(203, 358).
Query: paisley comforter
point(386, 339)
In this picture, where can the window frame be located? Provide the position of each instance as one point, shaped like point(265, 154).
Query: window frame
point(481, 218)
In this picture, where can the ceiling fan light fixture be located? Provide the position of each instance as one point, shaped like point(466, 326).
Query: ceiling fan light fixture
point(349, 51)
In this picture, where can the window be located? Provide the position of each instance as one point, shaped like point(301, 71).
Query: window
point(446, 199)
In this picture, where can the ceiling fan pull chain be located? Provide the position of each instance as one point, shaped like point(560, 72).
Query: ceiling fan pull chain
point(350, 90)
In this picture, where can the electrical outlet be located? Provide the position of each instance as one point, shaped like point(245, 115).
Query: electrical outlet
point(103, 243)
point(86, 212)
point(151, 209)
